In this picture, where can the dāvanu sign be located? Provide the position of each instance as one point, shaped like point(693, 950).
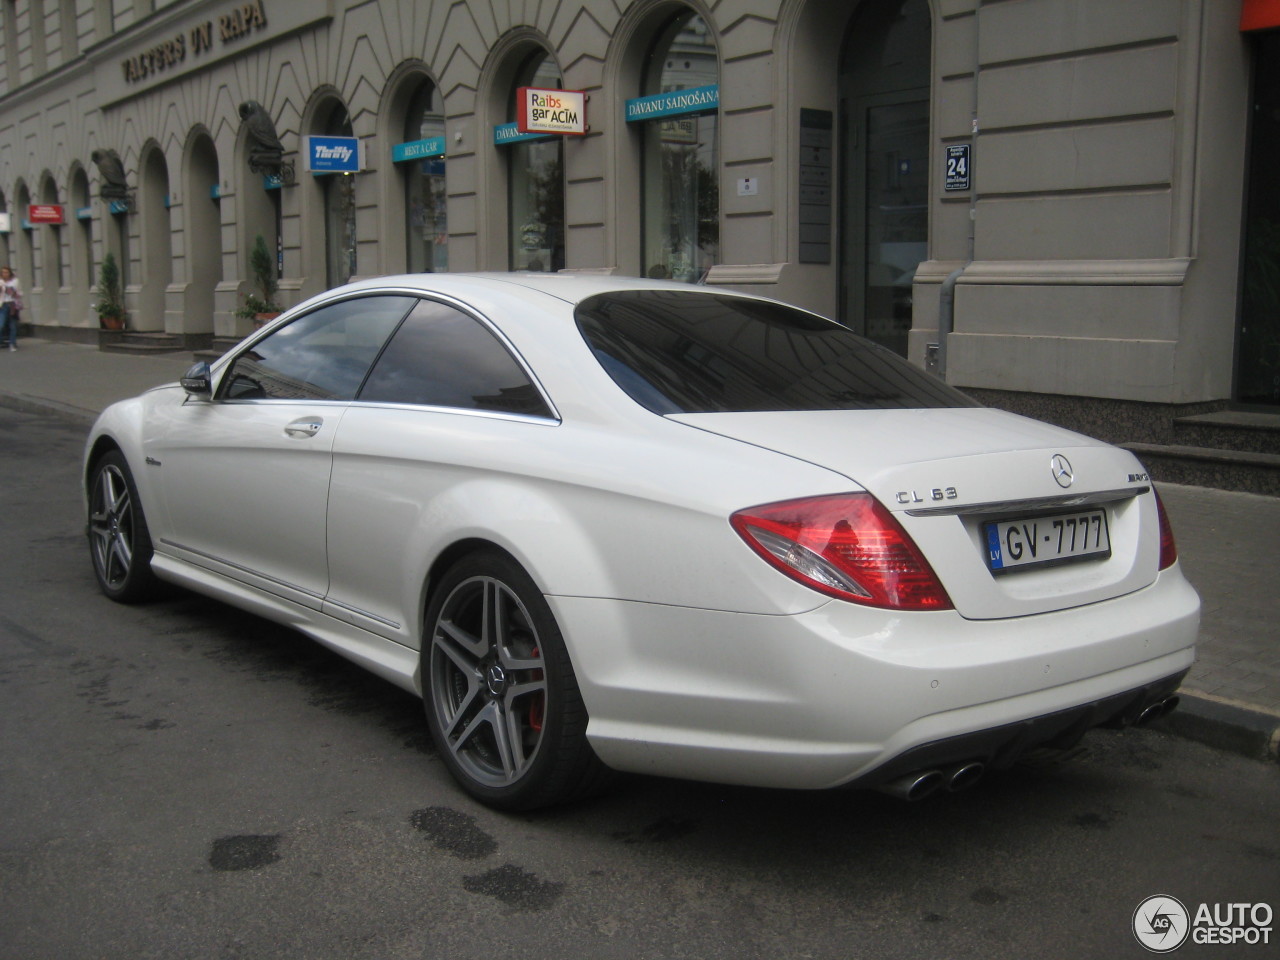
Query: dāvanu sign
point(562, 112)
point(676, 103)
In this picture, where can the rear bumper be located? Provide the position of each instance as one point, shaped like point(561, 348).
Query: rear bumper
point(845, 693)
point(997, 748)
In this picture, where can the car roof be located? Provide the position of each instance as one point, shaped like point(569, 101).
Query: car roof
point(571, 287)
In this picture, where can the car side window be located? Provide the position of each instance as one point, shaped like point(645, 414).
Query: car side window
point(442, 357)
point(323, 355)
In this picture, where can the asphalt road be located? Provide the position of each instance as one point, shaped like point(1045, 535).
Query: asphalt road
point(183, 780)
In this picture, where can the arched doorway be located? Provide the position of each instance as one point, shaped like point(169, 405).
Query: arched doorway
point(339, 200)
point(51, 276)
point(6, 227)
point(535, 181)
point(885, 71)
point(203, 233)
point(22, 241)
point(157, 243)
point(80, 248)
point(680, 200)
point(258, 212)
point(423, 173)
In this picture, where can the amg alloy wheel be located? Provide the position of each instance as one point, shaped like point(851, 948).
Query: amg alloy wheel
point(501, 698)
point(119, 541)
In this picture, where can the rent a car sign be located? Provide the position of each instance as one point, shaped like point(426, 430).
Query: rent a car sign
point(551, 111)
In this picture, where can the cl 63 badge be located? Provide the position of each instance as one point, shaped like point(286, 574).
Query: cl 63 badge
point(937, 493)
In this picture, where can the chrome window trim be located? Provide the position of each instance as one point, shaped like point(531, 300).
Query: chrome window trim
point(460, 411)
point(225, 361)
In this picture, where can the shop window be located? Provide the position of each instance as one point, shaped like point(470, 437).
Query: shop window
point(681, 196)
point(339, 209)
point(536, 183)
point(422, 165)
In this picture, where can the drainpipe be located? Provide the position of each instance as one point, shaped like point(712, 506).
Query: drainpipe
point(936, 353)
point(935, 358)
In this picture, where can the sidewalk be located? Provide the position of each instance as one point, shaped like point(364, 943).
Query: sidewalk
point(1229, 544)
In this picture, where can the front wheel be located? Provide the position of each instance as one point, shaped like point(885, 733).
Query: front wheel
point(501, 698)
point(119, 541)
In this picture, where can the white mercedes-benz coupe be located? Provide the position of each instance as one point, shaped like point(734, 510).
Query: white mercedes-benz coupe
point(603, 524)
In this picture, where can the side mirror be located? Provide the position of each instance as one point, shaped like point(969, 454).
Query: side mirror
point(197, 382)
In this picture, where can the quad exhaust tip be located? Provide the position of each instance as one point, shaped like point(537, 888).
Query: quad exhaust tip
point(918, 785)
point(914, 786)
point(921, 783)
point(1157, 710)
point(964, 776)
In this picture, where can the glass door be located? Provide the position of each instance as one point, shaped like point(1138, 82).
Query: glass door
point(884, 176)
point(886, 217)
point(1258, 343)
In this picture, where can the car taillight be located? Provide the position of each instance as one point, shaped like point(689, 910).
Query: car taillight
point(1168, 548)
point(847, 546)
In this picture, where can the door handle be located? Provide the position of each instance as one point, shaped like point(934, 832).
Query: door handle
point(304, 428)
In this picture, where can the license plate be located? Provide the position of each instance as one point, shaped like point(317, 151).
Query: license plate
point(1062, 538)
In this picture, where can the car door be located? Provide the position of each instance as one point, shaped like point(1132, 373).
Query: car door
point(244, 478)
point(446, 403)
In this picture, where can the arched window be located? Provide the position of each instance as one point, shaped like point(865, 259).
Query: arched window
point(536, 182)
point(51, 266)
point(156, 235)
point(22, 239)
point(6, 225)
point(681, 196)
point(427, 223)
point(82, 267)
point(339, 204)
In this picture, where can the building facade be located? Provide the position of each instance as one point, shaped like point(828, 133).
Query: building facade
point(1086, 182)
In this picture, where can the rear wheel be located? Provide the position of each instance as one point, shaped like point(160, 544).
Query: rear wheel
point(119, 541)
point(501, 697)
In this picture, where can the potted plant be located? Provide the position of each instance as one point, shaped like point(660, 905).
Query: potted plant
point(110, 306)
point(260, 304)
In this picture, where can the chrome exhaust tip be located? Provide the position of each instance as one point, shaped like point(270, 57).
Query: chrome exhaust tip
point(914, 786)
point(964, 776)
point(1150, 712)
point(1158, 709)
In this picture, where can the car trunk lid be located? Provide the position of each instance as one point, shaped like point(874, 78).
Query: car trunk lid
point(967, 483)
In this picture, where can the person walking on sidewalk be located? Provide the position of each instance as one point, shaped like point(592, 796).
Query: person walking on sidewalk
point(10, 307)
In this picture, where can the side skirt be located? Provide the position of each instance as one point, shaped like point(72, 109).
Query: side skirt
point(385, 658)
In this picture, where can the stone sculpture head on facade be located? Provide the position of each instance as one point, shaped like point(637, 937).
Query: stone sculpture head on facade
point(111, 168)
point(265, 149)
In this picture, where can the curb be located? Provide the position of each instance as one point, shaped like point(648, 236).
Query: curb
point(47, 408)
point(1224, 725)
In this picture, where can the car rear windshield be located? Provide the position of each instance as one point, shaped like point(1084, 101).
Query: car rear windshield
point(676, 351)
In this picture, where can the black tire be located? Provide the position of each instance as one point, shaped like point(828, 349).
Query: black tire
point(119, 541)
point(501, 697)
